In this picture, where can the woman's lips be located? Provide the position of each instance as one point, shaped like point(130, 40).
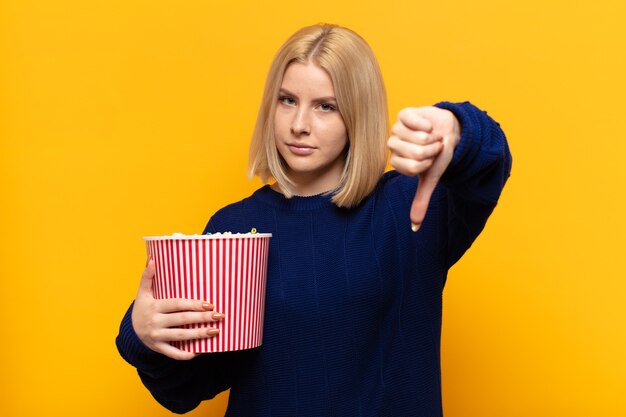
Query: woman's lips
point(301, 150)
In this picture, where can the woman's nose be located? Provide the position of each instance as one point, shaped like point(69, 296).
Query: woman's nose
point(300, 123)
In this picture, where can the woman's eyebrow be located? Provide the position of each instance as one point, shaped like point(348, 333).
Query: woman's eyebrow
point(315, 100)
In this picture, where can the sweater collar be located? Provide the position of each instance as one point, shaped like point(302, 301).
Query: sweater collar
point(276, 199)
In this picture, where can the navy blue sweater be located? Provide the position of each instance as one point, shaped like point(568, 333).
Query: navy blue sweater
point(354, 298)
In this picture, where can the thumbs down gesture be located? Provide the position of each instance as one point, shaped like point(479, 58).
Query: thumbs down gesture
point(422, 143)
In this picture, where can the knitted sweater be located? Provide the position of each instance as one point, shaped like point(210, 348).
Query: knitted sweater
point(354, 297)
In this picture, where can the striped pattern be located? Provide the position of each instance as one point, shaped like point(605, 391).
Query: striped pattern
point(228, 271)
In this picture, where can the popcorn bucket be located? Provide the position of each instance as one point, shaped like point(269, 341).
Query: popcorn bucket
point(228, 270)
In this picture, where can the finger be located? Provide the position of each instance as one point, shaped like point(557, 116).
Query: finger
point(418, 137)
point(145, 285)
point(425, 189)
point(409, 166)
point(181, 334)
point(174, 353)
point(413, 151)
point(428, 182)
point(413, 120)
point(172, 305)
point(189, 317)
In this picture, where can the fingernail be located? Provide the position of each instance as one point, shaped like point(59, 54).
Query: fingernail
point(213, 331)
point(415, 227)
point(208, 306)
point(217, 316)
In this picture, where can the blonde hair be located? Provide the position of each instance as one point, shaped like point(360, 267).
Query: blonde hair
point(361, 101)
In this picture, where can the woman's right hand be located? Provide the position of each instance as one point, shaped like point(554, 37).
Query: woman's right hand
point(156, 321)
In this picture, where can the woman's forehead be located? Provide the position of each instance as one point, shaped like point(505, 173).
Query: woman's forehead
point(307, 79)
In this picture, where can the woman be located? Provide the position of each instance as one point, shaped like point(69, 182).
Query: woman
point(353, 310)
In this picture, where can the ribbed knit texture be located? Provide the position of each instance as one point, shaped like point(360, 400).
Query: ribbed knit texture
point(354, 298)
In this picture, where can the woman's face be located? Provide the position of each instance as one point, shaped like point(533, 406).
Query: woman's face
point(310, 133)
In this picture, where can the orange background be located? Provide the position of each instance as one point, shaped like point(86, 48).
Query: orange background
point(121, 119)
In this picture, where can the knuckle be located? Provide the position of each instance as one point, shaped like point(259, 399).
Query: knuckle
point(414, 168)
point(198, 333)
point(180, 334)
point(421, 137)
point(169, 303)
point(151, 326)
point(180, 304)
point(407, 115)
point(418, 153)
point(153, 334)
point(185, 317)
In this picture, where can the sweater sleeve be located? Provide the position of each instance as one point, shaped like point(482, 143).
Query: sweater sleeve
point(474, 180)
point(177, 385)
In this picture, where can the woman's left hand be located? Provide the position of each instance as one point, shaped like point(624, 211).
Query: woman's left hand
point(422, 143)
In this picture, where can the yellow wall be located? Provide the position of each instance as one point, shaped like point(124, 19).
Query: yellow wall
point(120, 119)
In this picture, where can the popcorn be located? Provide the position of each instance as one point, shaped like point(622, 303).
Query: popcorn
point(252, 231)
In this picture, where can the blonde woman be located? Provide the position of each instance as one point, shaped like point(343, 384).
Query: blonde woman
point(358, 258)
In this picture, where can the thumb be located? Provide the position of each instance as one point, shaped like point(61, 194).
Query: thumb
point(147, 278)
point(428, 182)
point(425, 189)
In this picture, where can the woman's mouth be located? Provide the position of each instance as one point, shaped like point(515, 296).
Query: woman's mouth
point(300, 149)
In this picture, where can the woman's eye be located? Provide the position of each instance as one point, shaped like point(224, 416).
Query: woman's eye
point(287, 100)
point(327, 107)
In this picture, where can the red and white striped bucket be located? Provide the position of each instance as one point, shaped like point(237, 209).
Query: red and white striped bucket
point(228, 270)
